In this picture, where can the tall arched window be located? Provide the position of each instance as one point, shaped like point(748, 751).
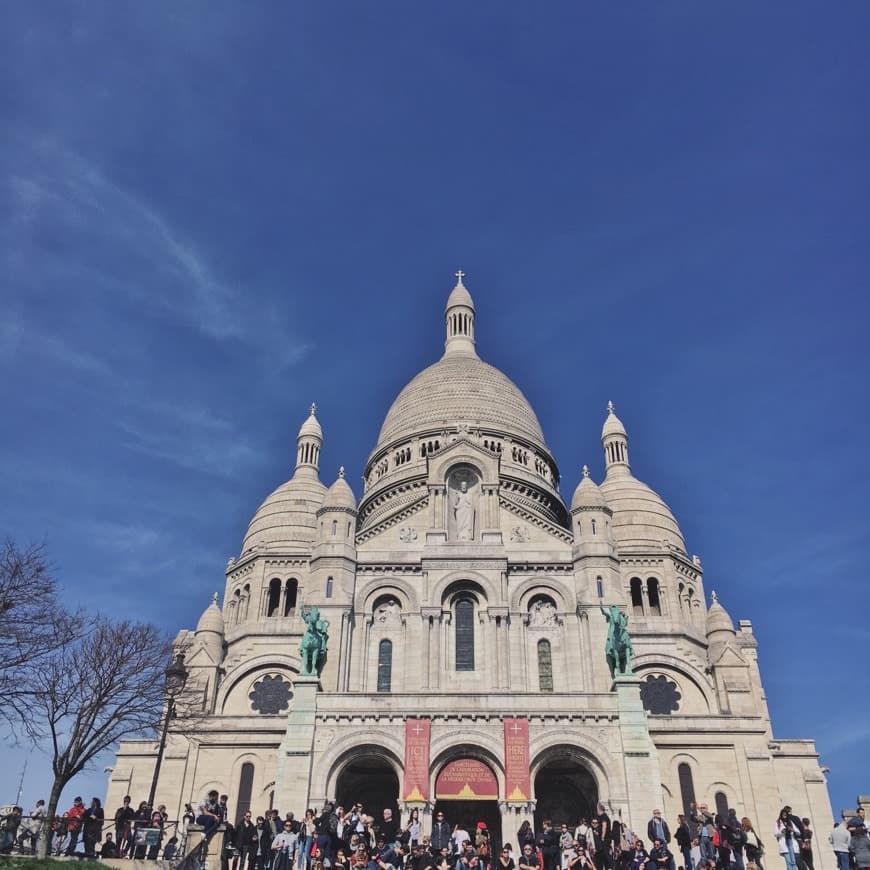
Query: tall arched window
point(385, 665)
point(545, 666)
point(636, 596)
point(652, 592)
point(246, 787)
point(290, 591)
point(721, 804)
point(687, 786)
point(329, 587)
point(273, 602)
point(465, 634)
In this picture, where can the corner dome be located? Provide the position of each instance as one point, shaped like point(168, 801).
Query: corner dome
point(287, 517)
point(460, 389)
point(640, 516)
point(212, 619)
point(588, 494)
point(718, 618)
point(339, 496)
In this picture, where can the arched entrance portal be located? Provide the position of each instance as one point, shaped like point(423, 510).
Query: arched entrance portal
point(566, 792)
point(466, 791)
point(369, 780)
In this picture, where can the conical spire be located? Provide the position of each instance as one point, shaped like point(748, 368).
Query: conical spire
point(615, 441)
point(308, 444)
point(459, 316)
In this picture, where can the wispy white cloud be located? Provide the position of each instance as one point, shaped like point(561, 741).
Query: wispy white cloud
point(23, 342)
point(67, 221)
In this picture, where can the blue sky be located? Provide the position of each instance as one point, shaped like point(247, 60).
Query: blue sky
point(213, 213)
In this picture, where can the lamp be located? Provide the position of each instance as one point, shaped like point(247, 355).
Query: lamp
point(175, 678)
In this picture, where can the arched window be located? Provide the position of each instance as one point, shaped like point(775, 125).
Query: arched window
point(652, 592)
point(594, 527)
point(636, 596)
point(721, 804)
point(385, 665)
point(329, 587)
point(290, 591)
point(687, 786)
point(599, 584)
point(246, 601)
point(246, 787)
point(465, 634)
point(545, 666)
point(273, 602)
point(334, 528)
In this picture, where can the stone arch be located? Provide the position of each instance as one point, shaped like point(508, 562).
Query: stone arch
point(473, 744)
point(285, 665)
point(680, 669)
point(247, 757)
point(399, 588)
point(538, 585)
point(344, 750)
point(565, 784)
point(585, 749)
point(728, 790)
point(445, 586)
point(368, 774)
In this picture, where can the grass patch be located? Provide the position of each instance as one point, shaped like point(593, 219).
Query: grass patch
point(26, 863)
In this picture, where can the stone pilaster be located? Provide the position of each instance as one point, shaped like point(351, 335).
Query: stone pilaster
point(293, 780)
point(642, 772)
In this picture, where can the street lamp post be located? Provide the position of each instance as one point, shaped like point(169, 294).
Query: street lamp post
point(176, 677)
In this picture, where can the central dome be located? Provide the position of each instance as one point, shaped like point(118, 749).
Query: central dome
point(460, 389)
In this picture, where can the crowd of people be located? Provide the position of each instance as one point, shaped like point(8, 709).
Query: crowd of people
point(336, 838)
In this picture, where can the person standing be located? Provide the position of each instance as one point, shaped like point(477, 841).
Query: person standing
point(754, 847)
point(841, 841)
point(93, 827)
point(683, 836)
point(74, 825)
point(860, 848)
point(548, 843)
point(246, 842)
point(441, 834)
point(33, 828)
point(704, 822)
point(807, 843)
point(124, 815)
point(787, 836)
point(283, 847)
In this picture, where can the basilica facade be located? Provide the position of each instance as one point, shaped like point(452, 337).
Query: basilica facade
point(465, 668)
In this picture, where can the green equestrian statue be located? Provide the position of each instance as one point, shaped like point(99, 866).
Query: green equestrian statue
point(618, 649)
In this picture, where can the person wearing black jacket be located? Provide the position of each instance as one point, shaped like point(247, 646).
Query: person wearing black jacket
point(441, 834)
point(684, 840)
point(247, 843)
point(548, 843)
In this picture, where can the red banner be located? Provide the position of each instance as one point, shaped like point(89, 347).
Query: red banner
point(416, 760)
point(466, 779)
point(517, 779)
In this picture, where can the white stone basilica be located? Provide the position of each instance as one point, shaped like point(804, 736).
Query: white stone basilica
point(465, 662)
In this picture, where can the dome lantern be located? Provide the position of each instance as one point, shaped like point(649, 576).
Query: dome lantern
point(459, 316)
point(308, 444)
point(614, 438)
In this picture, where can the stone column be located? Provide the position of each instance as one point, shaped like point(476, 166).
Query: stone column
point(642, 772)
point(295, 754)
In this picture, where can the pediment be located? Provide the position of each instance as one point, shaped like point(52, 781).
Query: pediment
point(463, 450)
point(729, 658)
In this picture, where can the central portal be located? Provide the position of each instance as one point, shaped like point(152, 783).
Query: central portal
point(466, 791)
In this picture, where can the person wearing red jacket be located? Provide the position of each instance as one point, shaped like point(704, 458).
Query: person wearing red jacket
point(74, 824)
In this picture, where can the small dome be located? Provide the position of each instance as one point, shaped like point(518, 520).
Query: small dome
point(459, 296)
point(612, 425)
point(718, 618)
point(588, 494)
point(339, 495)
point(640, 516)
point(288, 516)
point(212, 619)
point(311, 426)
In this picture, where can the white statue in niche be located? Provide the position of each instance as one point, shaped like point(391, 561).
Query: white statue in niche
point(463, 510)
point(542, 613)
point(387, 611)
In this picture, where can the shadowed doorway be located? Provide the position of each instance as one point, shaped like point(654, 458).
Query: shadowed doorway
point(372, 782)
point(566, 792)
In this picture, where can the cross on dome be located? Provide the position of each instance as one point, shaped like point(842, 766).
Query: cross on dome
point(585, 471)
point(610, 407)
point(460, 275)
point(341, 472)
point(214, 598)
point(313, 408)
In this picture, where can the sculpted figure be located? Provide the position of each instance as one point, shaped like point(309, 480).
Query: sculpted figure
point(463, 511)
point(312, 647)
point(618, 649)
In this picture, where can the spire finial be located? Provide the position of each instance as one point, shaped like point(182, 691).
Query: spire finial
point(460, 275)
point(585, 471)
point(341, 472)
point(714, 597)
point(313, 408)
point(610, 407)
point(214, 598)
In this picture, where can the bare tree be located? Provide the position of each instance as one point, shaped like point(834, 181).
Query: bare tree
point(100, 688)
point(33, 625)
